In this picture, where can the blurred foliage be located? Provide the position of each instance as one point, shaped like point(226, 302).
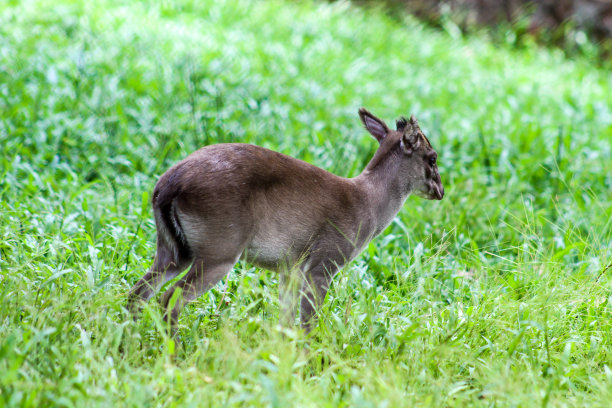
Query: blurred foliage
point(581, 28)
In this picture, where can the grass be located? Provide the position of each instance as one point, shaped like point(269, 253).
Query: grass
point(496, 296)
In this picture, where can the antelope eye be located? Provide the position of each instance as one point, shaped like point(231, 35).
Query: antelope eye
point(432, 161)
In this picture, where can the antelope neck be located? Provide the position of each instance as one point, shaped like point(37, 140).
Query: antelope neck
point(384, 191)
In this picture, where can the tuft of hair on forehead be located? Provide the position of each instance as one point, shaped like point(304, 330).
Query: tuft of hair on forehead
point(411, 127)
point(401, 123)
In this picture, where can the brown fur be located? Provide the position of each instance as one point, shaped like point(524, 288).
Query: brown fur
point(228, 201)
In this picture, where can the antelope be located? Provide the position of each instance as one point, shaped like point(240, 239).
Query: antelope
point(234, 201)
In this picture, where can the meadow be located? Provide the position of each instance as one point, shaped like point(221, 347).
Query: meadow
point(498, 295)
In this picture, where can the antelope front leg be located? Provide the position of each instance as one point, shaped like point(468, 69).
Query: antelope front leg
point(288, 290)
point(315, 285)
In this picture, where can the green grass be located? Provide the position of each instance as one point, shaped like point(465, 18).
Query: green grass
point(496, 296)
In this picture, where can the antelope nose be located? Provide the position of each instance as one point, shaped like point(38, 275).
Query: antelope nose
point(440, 191)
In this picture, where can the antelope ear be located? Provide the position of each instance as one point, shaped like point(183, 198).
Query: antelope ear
point(375, 126)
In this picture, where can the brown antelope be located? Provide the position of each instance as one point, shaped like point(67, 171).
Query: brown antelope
point(230, 201)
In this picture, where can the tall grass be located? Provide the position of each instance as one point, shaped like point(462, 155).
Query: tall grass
point(496, 296)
